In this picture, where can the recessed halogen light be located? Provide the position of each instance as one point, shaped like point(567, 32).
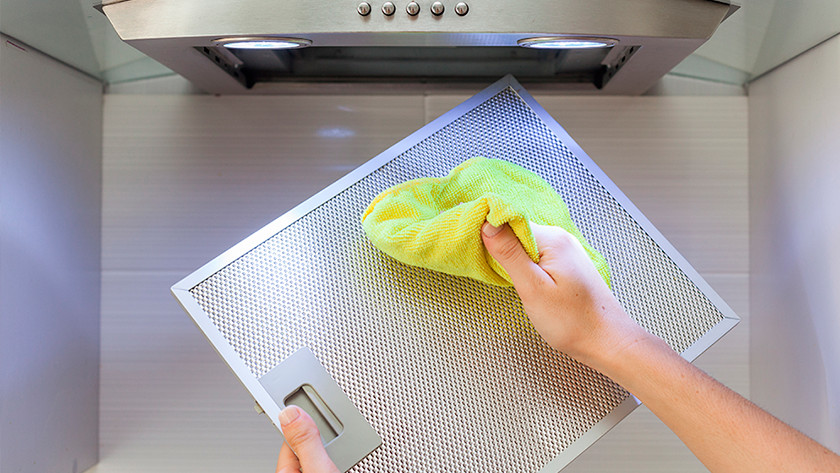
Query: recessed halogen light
point(565, 42)
point(263, 43)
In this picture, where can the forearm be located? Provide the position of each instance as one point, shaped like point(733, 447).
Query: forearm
point(724, 430)
point(575, 313)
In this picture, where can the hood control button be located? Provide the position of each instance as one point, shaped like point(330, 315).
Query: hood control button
point(413, 8)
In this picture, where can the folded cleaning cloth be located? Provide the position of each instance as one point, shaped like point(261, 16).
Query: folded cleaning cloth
point(435, 223)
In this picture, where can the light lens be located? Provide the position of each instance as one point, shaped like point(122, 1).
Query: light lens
point(559, 42)
point(263, 43)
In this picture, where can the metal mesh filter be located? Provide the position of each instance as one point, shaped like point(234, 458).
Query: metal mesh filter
point(449, 371)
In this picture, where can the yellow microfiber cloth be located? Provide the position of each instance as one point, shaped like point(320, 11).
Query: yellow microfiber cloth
point(435, 223)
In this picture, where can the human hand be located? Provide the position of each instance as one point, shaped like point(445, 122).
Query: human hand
point(564, 296)
point(302, 450)
point(574, 311)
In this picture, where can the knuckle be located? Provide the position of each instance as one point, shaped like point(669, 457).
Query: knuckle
point(566, 244)
point(565, 239)
point(508, 249)
point(302, 435)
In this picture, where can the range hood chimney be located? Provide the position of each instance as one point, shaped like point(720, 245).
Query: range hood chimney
point(262, 46)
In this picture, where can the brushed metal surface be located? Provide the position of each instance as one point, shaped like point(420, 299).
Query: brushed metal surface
point(663, 31)
point(162, 19)
point(448, 371)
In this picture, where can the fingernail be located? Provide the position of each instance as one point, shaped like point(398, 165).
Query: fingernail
point(288, 415)
point(489, 230)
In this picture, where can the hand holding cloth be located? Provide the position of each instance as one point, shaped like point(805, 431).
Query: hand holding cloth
point(435, 223)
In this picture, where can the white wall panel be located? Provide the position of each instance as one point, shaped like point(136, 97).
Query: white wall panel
point(50, 202)
point(795, 241)
point(186, 177)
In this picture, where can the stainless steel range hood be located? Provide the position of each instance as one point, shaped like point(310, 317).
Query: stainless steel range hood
point(379, 41)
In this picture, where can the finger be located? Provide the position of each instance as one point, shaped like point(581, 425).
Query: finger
point(287, 462)
point(552, 240)
point(545, 233)
point(303, 437)
point(503, 245)
point(560, 251)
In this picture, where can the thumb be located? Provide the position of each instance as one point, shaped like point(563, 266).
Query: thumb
point(305, 440)
point(504, 246)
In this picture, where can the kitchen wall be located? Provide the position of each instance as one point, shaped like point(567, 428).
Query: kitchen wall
point(794, 115)
point(50, 202)
point(188, 176)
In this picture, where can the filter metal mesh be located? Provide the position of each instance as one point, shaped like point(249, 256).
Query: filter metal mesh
point(448, 371)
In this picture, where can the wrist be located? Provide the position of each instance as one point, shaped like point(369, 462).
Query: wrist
point(631, 355)
point(617, 338)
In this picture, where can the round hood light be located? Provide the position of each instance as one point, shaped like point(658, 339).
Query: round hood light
point(263, 43)
point(565, 42)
